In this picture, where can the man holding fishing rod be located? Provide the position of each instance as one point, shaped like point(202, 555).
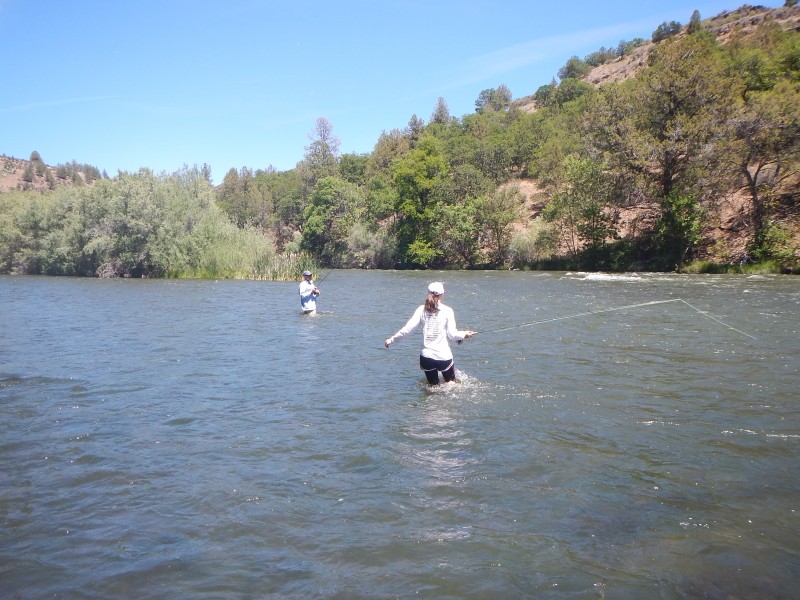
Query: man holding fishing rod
point(438, 325)
point(308, 294)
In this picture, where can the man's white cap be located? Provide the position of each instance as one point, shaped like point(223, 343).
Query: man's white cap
point(436, 288)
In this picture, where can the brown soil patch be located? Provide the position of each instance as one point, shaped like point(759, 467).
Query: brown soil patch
point(12, 171)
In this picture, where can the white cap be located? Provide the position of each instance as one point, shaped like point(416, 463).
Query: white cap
point(437, 287)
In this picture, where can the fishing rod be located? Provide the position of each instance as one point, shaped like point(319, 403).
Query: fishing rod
point(324, 278)
point(630, 306)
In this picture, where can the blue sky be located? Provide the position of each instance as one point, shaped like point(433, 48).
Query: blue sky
point(166, 83)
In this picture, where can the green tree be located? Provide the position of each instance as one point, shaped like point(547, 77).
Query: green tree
point(135, 213)
point(767, 148)
point(286, 190)
point(545, 94)
point(663, 130)
point(334, 208)
point(754, 67)
point(559, 133)
point(498, 99)
point(389, 146)
point(579, 208)
point(523, 138)
point(10, 234)
point(441, 114)
point(415, 128)
point(765, 57)
point(601, 57)
point(245, 198)
point(368, 248)
point(484, 142)
point(496, 214)
point(415, 176)
point(381, 198)
point(625, 48)
point(569, 90)
point(695, 24)
point(535, 245)
point(665, 31)
point(321, 158)
point(136, 225)
point(678, 229)
point(30, 224)
point(464, 182)
point(456, 235)
point(575, 68)
point(353, 168)
point(232, 195)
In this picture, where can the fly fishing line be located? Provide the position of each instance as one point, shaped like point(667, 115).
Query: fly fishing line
point(627, 307)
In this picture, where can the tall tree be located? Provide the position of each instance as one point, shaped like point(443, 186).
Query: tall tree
point(678, 229)
point(575, 68)
point(695, 24)
point(416, 175)
point(496, 214)
point(415, 128)
point(579, 207)
point(494, 99)
point(388, 147)
point(441, 114)
point(666, 30)
point(767, 148)
point(333, 209)
point(664, 127)
point(455, 231)
point(321, 158)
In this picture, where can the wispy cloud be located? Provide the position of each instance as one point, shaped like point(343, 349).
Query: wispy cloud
point(53, 103)
point(493, 64)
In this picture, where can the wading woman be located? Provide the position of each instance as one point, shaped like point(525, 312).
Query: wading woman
point(438, 326)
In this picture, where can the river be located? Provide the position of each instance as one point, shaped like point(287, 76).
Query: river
point(613, 436)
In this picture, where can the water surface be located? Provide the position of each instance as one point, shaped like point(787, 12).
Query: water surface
point(166, 439)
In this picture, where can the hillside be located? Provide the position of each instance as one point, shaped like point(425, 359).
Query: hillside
point(19, 174)
point(742, 20)
point(727, 235)
point(745, 19)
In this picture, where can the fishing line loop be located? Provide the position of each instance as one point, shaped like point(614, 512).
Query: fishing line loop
point(627, 307)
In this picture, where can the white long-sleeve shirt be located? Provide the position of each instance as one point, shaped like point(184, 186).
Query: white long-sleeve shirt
point(307, 296)
point(437, 328)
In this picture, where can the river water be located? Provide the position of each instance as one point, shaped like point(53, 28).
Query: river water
point(613, 436)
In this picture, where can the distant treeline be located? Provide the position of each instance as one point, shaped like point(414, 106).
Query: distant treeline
point(135, 225)
point(702, 120)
